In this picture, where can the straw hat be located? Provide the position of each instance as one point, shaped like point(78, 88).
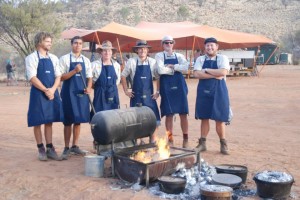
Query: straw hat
point(167, 38)
point(106, 45)
point(140, 44)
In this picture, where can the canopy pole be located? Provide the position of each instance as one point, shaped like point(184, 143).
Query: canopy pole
point(186, 48)
point(97, 38)
point(192, 56)
point(120, 53)
point(254, 68)
point(199, 45)
point(269, 58)
point(193, 49)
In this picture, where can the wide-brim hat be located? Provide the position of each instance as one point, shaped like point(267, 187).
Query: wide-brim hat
point(140, 44)
point(106, 45)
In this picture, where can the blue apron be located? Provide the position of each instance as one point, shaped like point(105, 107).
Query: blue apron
point(41, 109)
point(143, 89)
point(75, 102)
point(106, 95)
point(173, 90)
point(212, 97)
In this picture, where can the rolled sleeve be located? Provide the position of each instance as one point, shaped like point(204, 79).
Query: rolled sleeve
point(88, 68)
point(31, 63)
point(224, 63)
point(97, 67)
point(161, 68)
point(183, 64)
point(63, 66)
point(127, 70)
point(199, 63)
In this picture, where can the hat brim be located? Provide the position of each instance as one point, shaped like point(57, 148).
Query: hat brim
point(106, 48)
point(134, 49)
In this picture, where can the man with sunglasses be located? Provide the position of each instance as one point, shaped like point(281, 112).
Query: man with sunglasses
point(212, 95)
point(173, 88)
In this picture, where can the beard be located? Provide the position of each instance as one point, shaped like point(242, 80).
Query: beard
point(211, 54)
point(46, 48)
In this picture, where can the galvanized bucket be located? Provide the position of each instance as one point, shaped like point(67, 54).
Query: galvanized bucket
point(94, 165)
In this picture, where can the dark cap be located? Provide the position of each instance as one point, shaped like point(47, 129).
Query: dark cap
point(211, 39)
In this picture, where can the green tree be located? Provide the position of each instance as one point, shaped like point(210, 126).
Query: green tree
point(297, 38)
point(183, 12)
point(296, 49)
point(124, 13)
point(20, 20)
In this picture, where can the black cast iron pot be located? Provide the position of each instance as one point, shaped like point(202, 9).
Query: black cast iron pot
point(273, 190)
point(238, 170)
point(171, 185)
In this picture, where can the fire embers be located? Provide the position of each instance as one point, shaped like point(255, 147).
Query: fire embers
point(161, 152)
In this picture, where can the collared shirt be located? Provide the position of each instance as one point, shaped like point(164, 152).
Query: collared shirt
point(32, 62)
point(97, 68)
point(222, 62)
point(182, 65)
point(64, 63)
point(130, 67)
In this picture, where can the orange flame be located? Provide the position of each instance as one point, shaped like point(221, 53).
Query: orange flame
point(162, 151)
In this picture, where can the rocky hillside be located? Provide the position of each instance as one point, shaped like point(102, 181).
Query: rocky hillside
point(276, 19)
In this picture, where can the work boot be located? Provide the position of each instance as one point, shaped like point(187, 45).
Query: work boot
point(66, 153)
point(224, 149)
point(75, 149)
point(42, 154)
point(202, 145)
point(51, 154)
point(185, 143)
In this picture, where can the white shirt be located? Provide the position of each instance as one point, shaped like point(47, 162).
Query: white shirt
point(64, 63)
point(222, 62)
point(182, 65)
point(32, 62)
point(97, 67)
point(130, 67)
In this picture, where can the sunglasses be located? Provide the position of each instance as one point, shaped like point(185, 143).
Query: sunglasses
point(169, 42)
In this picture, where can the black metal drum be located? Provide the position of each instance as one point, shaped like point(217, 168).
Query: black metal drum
point(121, 125)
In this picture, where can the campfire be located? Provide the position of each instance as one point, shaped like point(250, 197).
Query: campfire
point(161, 152)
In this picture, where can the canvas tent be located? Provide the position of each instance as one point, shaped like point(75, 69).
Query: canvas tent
point(187, 35)
point(70, 33)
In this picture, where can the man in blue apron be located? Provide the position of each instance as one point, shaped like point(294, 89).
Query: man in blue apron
point(142, 70)
point(212, 95)
point(106, 77)
point(173, 88)
point(44, 104)
point(74, 94)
